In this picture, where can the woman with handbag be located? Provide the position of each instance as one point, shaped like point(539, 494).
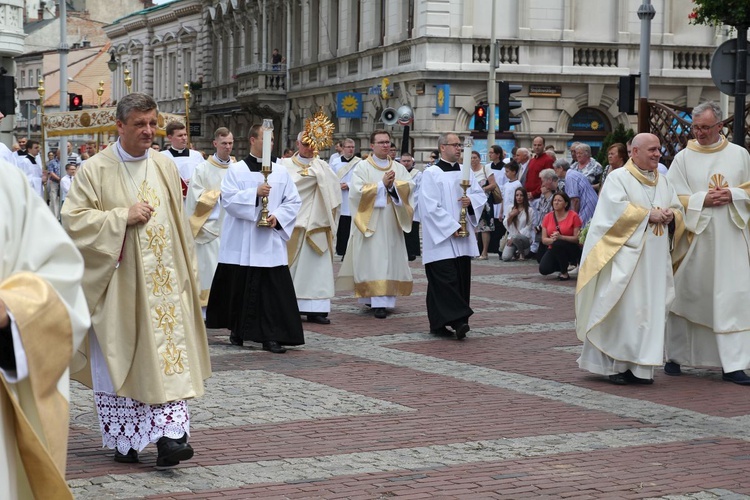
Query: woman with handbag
point(486, 179)
point(560, 230)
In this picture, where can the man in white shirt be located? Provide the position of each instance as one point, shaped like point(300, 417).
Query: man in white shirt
point(67, 181)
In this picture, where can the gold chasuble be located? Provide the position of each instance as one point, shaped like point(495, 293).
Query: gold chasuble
point(40, 273)
point(140, 281)
point(625, 283)
point(376, 263)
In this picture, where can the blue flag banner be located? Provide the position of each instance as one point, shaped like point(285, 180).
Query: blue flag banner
point(349, 105)
point(442, 100)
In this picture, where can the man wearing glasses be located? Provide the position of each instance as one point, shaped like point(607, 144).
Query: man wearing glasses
point(447, 256)
point(707, 323)
point(381, 198)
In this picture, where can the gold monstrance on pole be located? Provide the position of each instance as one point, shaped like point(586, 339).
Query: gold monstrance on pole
point(265, 169)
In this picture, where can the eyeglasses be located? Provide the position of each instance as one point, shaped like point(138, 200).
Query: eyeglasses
point(704, 128)
point(455, 145)
point(383, 143)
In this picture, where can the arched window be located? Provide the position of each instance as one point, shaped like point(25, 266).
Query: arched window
point(589, 126)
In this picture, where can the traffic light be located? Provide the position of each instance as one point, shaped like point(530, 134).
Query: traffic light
point(7, 95)
point(480, 118)
point(626, 94)
point(507, 104)
point(75, 102)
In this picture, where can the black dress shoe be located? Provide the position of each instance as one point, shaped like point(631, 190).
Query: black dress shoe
point(441, 332)
point(461, 331)
point(738, 377)
point(672, 368)
point(235, 340)
point(632, 379)
point(172, 451)
point(412, 258)
point(618, 379)
point(130, 458)
point(317, 318)
point(274, 347)
point(380, 312)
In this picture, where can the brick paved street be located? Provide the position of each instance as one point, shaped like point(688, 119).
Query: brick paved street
point(375, 409)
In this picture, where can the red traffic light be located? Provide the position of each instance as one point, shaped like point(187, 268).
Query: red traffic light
point(480, 111)
point(76, 102)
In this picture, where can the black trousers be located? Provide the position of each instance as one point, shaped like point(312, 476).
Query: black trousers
point(342, 235)
point(495, 237)
point(559, 257)
point(448, 292)
point(412, 241)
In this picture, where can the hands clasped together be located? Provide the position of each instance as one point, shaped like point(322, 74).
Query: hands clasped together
point(717, 197)
point(661, 216)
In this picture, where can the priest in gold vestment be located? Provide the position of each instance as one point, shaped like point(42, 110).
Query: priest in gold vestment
point(376, 265)
point(625, 283)
point(310, 249)
point(708, 324)
point(148, 351)
point(43, 319)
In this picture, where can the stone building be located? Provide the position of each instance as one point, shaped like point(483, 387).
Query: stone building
point(566, 54)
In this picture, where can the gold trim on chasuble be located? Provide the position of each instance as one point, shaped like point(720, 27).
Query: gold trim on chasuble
point(694, 145)
point(42, 450)
point(610, 243)
point(379, 288)
point(162, 288)
point(304, 167)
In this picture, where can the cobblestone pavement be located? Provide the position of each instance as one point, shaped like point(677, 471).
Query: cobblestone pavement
point(376, 409)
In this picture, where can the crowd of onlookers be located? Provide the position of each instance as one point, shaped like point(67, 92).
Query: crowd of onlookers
point(538, 204)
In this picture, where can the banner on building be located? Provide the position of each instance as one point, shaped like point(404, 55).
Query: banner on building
point(349, 105)
point(442, 101)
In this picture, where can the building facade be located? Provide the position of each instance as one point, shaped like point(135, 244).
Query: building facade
point(566, 54)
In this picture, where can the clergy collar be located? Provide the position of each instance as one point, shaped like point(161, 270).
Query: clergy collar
point(344, 159)
point(380, 162)
point(31, 159)
point(127, 157)
point(223, 162)
point(302, 159)
point(21, 152)
point(448, 167)
point(255, 163)
point(179, 152)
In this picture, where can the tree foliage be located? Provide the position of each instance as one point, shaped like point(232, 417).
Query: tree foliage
point(720, 12)
point(619, 134)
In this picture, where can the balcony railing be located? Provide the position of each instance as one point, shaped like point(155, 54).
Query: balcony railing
point(262, 82)
point(691, 59)
point(604, 57)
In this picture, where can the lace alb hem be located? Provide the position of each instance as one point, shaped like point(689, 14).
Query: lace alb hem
point(126, 423)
